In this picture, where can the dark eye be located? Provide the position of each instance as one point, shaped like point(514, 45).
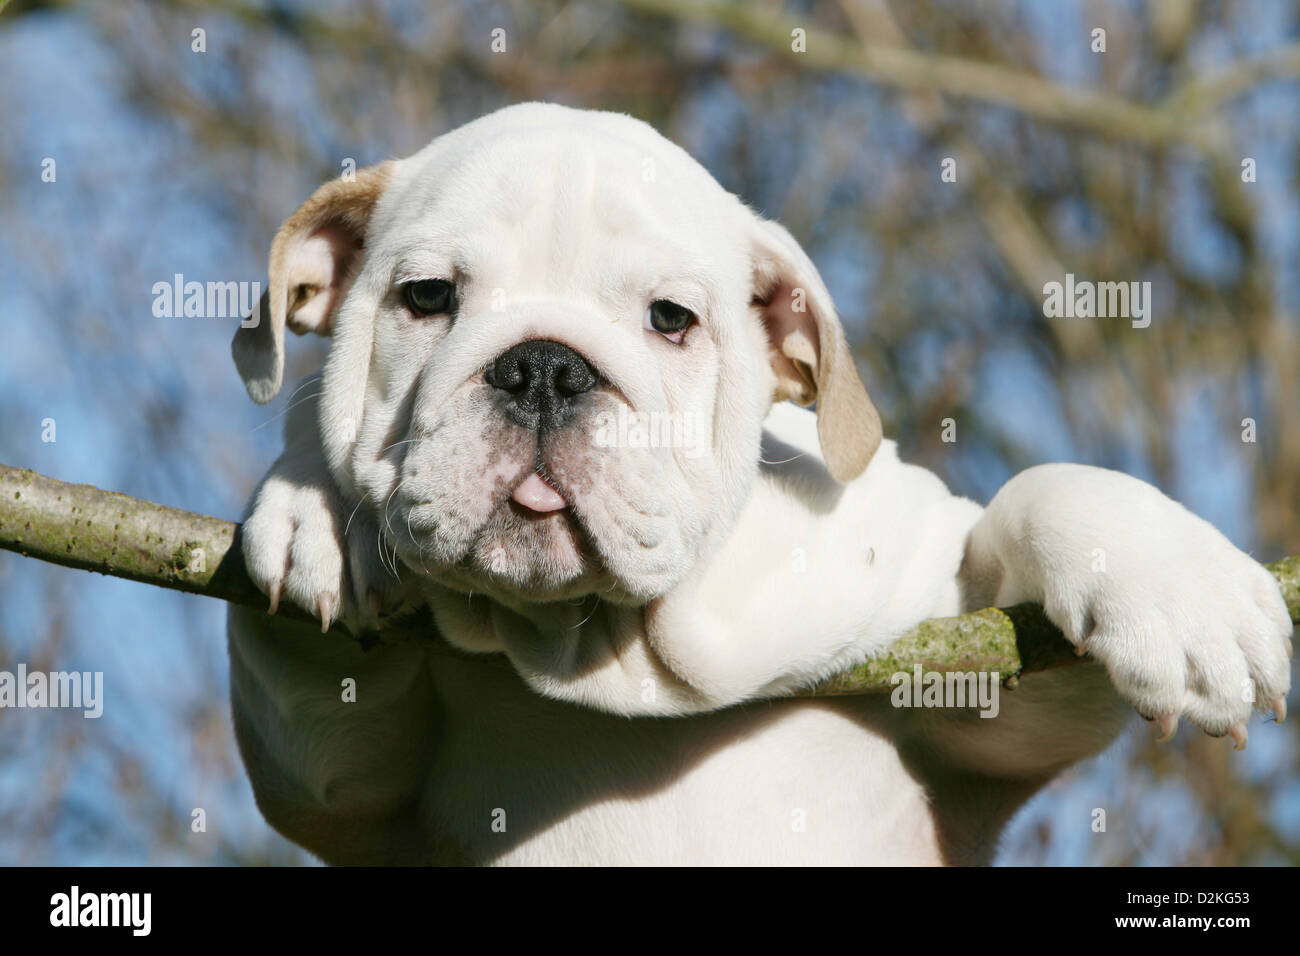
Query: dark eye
point(669, 319)
point(429, 296)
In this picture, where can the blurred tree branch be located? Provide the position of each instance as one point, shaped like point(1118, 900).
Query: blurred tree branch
point(1177, 119)
point(84, 527)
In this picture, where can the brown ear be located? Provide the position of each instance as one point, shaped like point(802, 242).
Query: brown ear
point(809, 354)
point(312, 265)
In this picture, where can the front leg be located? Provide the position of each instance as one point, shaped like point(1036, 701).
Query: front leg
point(305, 542)
point(335, 738)
point(1185, 624)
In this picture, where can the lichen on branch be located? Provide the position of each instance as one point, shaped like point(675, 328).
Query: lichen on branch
point(81, 526)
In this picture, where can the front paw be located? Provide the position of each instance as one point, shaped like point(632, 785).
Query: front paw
point(1186, 625)
point(300, 544)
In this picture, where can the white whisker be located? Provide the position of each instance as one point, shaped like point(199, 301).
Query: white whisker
point(353, 515)
point(383, 556)
point(388, 502)
point(405, 441)
point(595, 606)
point(284, 411)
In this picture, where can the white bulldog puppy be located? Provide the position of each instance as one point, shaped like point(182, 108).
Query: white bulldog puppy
point(555, 413)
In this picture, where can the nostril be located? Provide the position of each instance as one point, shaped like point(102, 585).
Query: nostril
point(574, 378)
point(507, 373)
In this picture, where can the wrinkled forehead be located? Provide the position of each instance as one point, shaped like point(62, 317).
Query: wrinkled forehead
point(585, 190)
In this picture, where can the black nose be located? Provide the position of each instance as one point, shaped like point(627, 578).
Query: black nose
point(540, 379)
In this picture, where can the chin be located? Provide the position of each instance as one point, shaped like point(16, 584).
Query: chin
point(523, 556)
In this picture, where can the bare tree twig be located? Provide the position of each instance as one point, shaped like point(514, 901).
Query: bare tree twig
point(1177, 119)
point(1204, 94)
point(80, 526)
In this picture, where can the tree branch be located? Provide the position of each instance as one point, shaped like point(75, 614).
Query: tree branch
point(1177, 119)
point(80, 526)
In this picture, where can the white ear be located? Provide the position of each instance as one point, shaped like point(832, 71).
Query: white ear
point(810, 356)
point(313, 261)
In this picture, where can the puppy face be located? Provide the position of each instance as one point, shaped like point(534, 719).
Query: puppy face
point(556, 338)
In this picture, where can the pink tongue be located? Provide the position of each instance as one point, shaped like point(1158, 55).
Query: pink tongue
point(536, 495)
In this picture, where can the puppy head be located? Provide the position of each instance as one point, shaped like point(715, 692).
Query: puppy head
point(555, 340)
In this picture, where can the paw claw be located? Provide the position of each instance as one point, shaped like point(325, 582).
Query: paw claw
point(325, 609)
point(1279, 708)
point(1168, 727)
point(1239, 736)
point(274, 594)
